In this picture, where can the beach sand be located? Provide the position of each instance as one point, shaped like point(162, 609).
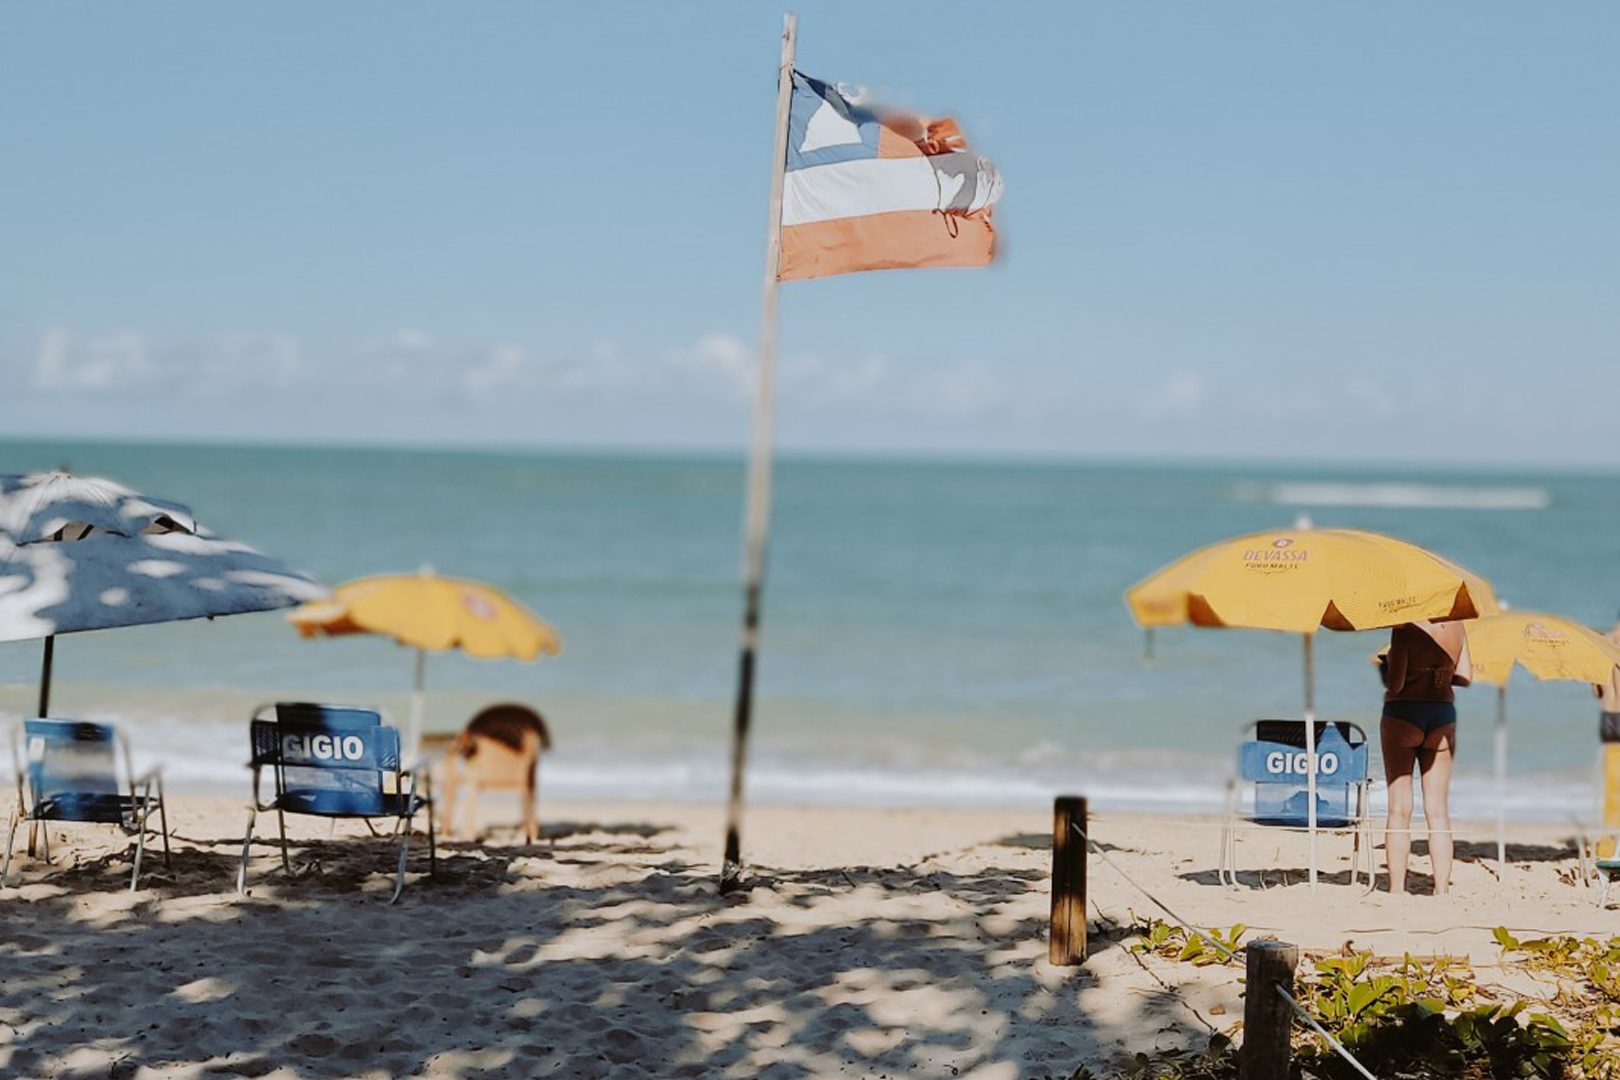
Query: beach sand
point(870, 943)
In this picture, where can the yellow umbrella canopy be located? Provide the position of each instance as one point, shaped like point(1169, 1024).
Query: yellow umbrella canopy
point(426, 611)
point(1547, 646)
point(1301, 579)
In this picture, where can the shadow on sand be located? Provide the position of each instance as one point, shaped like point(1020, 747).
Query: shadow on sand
point(597, 952)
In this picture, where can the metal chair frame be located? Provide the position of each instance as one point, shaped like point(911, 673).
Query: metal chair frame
point(1361, 855)
point(1591, 865)
point(404, 819)
point(144, 793)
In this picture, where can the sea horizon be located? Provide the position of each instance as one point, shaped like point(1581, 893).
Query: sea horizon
point(721, 453)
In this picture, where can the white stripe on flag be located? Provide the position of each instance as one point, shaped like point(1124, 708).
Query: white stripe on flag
point(858, 188)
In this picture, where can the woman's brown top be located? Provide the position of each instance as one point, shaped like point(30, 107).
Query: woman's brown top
point(1421, 668)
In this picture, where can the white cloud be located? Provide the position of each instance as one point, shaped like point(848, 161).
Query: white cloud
point(723, 358)
point(102, 363)
point(125, 362)
point(413, 384)
point(505, 366)
point(1177, 396)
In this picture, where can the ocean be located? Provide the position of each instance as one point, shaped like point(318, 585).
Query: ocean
point(935, 633)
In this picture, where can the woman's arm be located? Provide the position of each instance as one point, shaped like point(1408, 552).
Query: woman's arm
point(1395, 665)
point(1465, 664)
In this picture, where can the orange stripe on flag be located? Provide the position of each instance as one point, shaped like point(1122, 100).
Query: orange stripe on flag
point(901, 240)
point(892, 144)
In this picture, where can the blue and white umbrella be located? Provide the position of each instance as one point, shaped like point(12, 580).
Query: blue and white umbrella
point(79, 553)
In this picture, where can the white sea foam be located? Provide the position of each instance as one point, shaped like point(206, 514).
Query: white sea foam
point(1398, 495)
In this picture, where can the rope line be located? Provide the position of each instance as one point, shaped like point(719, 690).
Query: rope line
point(1247, 825)
point(1322, 1031)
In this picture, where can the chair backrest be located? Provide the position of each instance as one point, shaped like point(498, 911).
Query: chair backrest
point(499, 748)
point(69, 759)
point(1276, 763)
point(329, 759)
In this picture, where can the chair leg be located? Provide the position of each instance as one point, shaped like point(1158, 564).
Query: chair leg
point(452, 781)
point(11, 838)
point(163, 819)
point(404, 852)
point(531, 814)
point(433, 845)
point(45, 841)
point(140, 840)
point(33, 837)
point(247, 845)
point(286, 860)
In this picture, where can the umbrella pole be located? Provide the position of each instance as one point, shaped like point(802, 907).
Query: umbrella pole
point(44, 711)
point(45, 677)
point(1310, 757)
point(413, 735)
point(1501, 783)
point(756, 522)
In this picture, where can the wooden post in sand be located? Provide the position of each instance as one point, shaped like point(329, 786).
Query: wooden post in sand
point(1067, 945)
point(1268, 1022)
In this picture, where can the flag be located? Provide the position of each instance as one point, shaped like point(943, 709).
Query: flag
point(869, 189)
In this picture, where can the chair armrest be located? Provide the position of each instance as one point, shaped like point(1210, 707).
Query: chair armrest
point(425, 778)
point(154, 775)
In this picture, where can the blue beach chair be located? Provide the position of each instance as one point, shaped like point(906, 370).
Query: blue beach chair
point(68, 770)
point(333, 761)
point(1273, 762)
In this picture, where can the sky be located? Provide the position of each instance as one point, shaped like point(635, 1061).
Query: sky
point(1274, 231)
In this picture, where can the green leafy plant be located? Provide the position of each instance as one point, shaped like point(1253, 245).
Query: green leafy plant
point(1426, 1016)
point(1589, 972)
point(1419, 1018)
point(1174, 943)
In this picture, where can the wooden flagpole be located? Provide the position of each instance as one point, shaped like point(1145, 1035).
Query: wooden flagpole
point(757, 521)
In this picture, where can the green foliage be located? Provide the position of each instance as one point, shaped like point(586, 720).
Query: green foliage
point(1423, 1019)
point(1172, 942)
point(1592, 967)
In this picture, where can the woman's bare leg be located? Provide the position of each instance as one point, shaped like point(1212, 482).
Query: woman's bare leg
point(1400, 741)
point(1435, 759)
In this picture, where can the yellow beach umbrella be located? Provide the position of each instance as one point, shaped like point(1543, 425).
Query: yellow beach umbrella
point(1548, 647)
point(1299, 580)
point(426, 611)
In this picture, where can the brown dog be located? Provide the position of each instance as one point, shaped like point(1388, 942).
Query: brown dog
point(498, 750)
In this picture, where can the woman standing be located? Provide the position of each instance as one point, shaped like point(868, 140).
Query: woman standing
point(1419, 724)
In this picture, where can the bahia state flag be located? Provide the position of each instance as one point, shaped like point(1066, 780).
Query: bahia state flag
point(870, 189)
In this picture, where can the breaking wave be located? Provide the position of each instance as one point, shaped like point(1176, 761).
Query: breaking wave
point(1404, 496)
